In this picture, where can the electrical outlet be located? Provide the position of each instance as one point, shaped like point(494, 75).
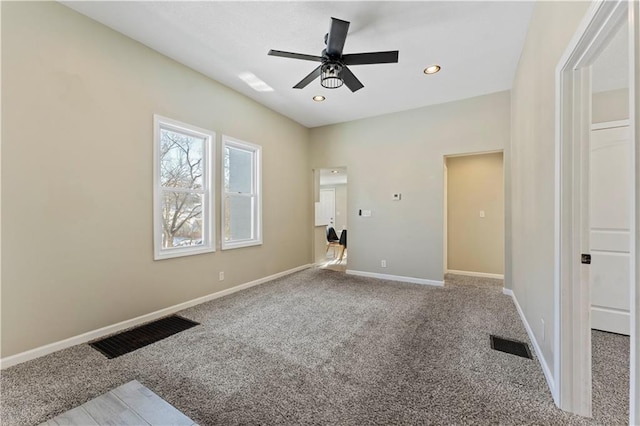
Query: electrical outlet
point(481, 213)
point(383, 263)
point(542, 321)
point(221, 276)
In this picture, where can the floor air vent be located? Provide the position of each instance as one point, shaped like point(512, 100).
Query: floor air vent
point(510, 346)
point(136, 338)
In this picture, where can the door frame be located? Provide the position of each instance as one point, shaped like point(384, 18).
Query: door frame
point(445, 209)
point(572, 345)
point(445, 233)
point(316, 233)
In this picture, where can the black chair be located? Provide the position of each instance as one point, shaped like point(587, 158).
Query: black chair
point(343, 243)
point(332, 240)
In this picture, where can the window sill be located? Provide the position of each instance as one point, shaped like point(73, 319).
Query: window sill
point(241, 244)
point(181, 252)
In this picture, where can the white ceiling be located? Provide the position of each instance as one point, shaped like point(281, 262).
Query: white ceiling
point(477, 43)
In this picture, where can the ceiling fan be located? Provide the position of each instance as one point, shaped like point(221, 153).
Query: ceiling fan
point(333, 70)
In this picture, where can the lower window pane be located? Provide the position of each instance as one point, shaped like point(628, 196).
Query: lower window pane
point(181, 219)
point(238, 220)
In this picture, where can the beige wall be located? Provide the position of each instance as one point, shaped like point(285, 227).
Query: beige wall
point(611, 105)
point(474, 184)
point(78, 100)
point(533, 164)
point(403, 152)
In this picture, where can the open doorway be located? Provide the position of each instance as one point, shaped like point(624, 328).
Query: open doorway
point(596, 217)
point(330, 245)
point(474, 217)
point(610, 181)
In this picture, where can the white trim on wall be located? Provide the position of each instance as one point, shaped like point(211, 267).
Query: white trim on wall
point(114, 328)
point(445, 208)
point(475, 274)
point(572, 328)
point(255, 194)
point(208, 216)
point(543, 363)
point(634, 120)
point(609, 124)
point(395, 278)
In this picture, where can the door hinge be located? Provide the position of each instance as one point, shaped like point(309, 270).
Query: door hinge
point(586, 259)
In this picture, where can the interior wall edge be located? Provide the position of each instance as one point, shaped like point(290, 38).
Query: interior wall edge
point(536, 347)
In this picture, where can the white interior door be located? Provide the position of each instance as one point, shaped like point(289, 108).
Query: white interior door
point(327, 207)
point(610, 207)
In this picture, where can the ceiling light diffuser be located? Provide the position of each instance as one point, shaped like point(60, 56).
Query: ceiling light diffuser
point(254, 82)
point(319, 98)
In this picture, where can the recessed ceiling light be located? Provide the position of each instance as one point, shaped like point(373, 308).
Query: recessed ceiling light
point(432, 69)
point(319, 98)
point(334, 171)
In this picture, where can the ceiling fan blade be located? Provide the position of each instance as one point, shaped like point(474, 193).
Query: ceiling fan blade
point(295, 55)
point(371, 58)
point(308, 79)
point(350, 80)
point(336, 37)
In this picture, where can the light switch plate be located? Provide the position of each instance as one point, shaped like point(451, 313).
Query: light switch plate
point(366, 213)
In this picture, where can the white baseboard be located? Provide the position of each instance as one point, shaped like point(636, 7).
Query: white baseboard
point(475, 274)
point(396, 278)
point(543, 363)
point(110, 329)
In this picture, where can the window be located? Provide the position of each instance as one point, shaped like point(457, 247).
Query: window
point(183, 189)
point(241, 202)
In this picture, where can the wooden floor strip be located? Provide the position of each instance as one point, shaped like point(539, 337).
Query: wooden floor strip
point(129, 404)
point(107, 409)
point(77, 416)
point(150, 406)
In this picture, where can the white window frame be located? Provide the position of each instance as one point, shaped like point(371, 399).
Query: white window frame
point(257, 193)
point(208, 189)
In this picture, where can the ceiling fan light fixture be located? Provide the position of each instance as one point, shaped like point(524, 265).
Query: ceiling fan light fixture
point(319, 98)
point(432, 69)
point(330, 75)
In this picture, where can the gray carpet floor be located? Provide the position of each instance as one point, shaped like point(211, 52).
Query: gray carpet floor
point(321, 347)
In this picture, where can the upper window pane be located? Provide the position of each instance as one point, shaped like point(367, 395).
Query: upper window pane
point(181, 160)
point(238, 170)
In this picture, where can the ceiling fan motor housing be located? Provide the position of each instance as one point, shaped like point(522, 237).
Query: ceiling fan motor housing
point(333, 70)
point(331, 74)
